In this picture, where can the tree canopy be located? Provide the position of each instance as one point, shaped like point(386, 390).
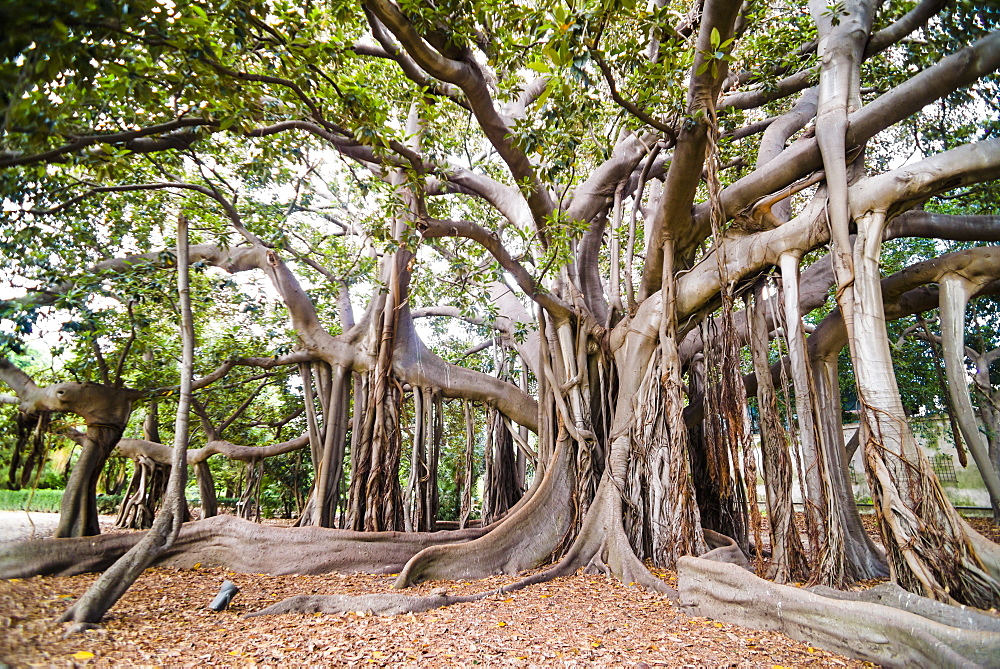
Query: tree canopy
point(585, 230)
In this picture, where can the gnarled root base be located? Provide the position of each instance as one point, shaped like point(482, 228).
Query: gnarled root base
point(239, 545)
point(524, 539)
point(603, 547)
point(864, 630)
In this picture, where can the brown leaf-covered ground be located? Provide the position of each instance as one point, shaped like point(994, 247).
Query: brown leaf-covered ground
point(581, 620)
point(578, 620)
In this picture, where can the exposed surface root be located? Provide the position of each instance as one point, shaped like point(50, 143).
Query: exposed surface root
point(861, 629)
point(601, 546)
point(384, 604)
point(724, 549)
point(236, 544)
point(890, 594)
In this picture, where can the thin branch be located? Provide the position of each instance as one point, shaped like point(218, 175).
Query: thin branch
point(181, 139)
point(120, 365)
point(491, 242)
point(631, 107)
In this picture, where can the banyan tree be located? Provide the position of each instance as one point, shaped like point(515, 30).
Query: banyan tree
point(634, 246)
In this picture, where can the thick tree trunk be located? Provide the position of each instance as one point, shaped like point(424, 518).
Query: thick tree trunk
point(78, 509)
point(206, 490)
point(507, 549)
point(375, 497)
point(814, 504)
point(861, 559)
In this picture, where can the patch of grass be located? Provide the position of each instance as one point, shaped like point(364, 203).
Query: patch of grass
point(41, 500)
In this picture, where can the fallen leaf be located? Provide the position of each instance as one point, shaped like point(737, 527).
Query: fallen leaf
point(82, 655)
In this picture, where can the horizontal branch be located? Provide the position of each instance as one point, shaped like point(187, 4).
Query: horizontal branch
point(161, 453)
point(919, 223)
point(174, 134)
point(803, 157)
point(262, 363)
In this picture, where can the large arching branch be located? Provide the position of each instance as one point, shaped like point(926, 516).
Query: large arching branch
point(415, 364)
point(431, 228)
point(413, 72)
point(798, 160)
point(792, 83)
point(161, 453)
point(893, 191)
point(920, 223)
point(467, 75)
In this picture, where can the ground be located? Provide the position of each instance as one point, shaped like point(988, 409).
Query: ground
point(581, 620)
point(17, 525)
point(578, 620)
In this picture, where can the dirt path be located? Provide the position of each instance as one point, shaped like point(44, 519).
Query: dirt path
point(18, 525)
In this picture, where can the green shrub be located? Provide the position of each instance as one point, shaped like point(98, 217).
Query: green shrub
point(41, 500)
point(109, 504)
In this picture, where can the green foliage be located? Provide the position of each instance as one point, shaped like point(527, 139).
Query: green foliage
point(31, 500)
point(109, 504)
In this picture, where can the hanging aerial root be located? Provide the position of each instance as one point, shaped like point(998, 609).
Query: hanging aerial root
point(932, 549)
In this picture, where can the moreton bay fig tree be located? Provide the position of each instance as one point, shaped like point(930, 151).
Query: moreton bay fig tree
point(609, 238)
